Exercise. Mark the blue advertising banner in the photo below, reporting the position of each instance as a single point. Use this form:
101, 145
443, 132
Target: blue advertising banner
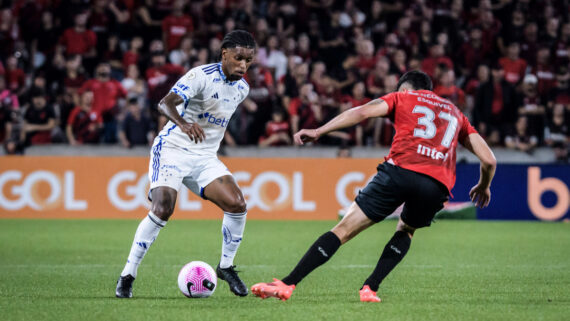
520, 192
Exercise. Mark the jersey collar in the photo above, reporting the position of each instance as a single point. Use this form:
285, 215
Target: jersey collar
226, 80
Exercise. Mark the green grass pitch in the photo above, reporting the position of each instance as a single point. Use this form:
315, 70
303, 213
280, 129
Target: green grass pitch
455, 270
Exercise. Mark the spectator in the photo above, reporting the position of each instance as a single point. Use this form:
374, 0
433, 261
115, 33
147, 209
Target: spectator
262, 94
562, 48
114, 56
560, 94
147, 22
84, 125
160, 77
398, 63
78, 40
375, 79
133, 55
472, 52
9, 32
494, 106
74, 77
437, 56
15, 77
272, 57
544, 71
531, 106
304, 49
520, 139
276, 130
39, 120
530, 44
136, 127
45, 43
290, 87
134, 84
550, 34
364, 130
7, 116
106, 93
176, 26
512, 32
513, 66
448, 90
305, 110
184, 55
364, 60
214, 16
557, 133
7, 98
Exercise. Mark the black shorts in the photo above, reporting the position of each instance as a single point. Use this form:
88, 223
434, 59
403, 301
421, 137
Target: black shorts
422, 195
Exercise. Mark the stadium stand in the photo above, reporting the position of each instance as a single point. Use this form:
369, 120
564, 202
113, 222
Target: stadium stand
505, 64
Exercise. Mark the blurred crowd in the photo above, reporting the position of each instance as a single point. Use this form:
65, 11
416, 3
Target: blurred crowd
93, 71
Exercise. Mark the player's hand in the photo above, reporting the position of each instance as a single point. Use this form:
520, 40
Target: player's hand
480, 195
194, 131
306, 136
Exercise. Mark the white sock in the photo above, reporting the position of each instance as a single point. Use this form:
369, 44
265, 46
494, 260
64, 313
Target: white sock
232, 231
144, 237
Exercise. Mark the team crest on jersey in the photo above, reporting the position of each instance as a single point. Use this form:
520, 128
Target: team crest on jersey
217, 80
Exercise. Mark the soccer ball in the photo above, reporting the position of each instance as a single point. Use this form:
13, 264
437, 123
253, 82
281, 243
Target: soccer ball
197, 279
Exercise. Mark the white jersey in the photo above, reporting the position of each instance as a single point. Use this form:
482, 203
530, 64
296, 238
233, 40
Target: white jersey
210, 100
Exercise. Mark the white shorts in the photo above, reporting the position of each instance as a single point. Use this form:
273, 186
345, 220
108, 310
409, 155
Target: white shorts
172, 167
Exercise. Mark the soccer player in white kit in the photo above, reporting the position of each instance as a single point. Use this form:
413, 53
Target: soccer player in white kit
198, 107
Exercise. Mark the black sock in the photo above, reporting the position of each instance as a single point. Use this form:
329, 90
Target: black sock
320, 252
393, 253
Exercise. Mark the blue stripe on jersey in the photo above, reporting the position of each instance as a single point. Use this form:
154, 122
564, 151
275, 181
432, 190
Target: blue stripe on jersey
245, 82
179, 93
156, 153
208, 68
219, 65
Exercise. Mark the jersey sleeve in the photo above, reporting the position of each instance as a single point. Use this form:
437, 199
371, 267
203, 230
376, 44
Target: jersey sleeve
190, 85
466, 129
391, 99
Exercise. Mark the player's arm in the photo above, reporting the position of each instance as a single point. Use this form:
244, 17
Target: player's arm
481, 193
167, 107
351, 117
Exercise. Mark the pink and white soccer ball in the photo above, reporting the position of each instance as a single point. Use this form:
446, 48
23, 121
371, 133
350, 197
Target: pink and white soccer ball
197, 279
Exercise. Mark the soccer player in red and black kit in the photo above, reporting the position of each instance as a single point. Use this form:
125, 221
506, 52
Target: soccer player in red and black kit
419, 172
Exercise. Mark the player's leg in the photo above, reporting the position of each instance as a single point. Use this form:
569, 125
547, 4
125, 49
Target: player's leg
426, 198
165, 176
354, 222
225, 193
374, 203
163, 201
393, 253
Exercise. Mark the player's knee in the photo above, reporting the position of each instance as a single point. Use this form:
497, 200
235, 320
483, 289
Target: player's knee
237, 205
403, 227
163, 209
343, 234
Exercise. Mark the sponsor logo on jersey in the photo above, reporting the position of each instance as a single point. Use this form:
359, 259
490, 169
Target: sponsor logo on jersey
217, 80
215, 96
431, 152
182, 86
211, 119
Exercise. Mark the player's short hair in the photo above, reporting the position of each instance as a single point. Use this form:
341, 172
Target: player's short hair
238, 38
417, 79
